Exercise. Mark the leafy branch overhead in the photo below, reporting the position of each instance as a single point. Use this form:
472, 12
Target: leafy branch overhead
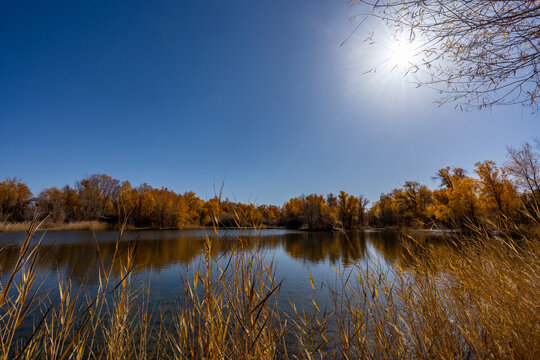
477, 53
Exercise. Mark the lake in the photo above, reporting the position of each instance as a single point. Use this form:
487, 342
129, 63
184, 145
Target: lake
161, 255
161, 258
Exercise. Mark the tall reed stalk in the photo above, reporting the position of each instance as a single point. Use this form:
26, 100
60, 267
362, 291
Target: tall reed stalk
474, 297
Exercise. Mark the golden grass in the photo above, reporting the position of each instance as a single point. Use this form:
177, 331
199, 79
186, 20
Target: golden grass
12, 227
73, 226
474, 298
478, 298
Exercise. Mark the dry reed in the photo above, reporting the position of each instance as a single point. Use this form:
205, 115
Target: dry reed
72, 226
474, 297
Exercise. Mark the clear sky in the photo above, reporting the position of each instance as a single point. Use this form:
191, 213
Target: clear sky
185, 94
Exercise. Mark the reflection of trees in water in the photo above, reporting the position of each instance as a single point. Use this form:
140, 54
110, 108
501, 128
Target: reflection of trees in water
8, 257
388, 244
407, 248
321, 246
81, 260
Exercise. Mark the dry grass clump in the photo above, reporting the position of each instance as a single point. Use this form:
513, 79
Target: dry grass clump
478, 298
71, 324
12, 227
230, 309
79, 225
72, 226
473, 298
230, 312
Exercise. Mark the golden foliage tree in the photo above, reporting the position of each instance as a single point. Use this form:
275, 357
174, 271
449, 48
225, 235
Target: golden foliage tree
97, 193
15, 197
499, 198
52, 201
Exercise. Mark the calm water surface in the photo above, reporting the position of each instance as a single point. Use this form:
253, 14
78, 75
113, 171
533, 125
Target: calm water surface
161, 256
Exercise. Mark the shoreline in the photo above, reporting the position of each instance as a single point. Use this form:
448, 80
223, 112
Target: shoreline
103, 226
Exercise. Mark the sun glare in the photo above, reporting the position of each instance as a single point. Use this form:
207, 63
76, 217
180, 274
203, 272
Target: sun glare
401, 54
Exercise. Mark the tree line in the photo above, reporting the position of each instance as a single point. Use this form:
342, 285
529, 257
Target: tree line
493, 194
100, 197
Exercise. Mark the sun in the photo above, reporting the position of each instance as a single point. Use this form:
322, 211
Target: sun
401, 54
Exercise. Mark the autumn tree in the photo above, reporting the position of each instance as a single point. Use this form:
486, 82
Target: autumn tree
126, 202
383, 212
476, 52
332, 204
524, 166
211, 212
52, 202
449, 176
363, 209
182, 213
347, 209
405, 207
97, 193
292, 210
163, 214
498, 194
271, 214
456, 203
72, 205
189, 209
411, 203
15, 199
145, 205
351, 210
314, 212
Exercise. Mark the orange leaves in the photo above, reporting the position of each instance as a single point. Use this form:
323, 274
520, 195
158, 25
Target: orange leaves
14, 196
461, 199
499, 197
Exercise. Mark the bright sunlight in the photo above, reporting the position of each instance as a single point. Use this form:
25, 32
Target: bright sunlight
401, 54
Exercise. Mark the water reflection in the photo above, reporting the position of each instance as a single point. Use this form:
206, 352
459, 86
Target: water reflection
335, 247
78, 255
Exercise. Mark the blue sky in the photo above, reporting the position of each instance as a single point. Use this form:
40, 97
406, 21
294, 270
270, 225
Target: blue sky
186, 94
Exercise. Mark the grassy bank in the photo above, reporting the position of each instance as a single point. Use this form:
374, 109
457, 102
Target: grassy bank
475, 297
99, 225
77, 225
